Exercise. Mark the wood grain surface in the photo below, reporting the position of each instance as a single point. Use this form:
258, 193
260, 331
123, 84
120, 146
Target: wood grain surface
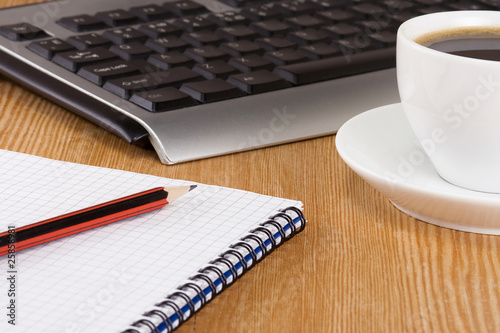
360, 266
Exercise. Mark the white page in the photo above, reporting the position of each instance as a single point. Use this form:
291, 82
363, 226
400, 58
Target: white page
102, 279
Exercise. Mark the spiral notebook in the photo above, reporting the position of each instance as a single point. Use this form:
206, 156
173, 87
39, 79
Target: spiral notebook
144, 274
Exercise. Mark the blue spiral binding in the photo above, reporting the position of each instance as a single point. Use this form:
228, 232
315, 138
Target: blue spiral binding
166, 322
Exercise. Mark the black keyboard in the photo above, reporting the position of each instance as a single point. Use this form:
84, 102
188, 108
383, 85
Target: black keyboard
205, 78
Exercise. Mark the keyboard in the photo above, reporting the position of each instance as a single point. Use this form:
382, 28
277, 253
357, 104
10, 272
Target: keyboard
196, 79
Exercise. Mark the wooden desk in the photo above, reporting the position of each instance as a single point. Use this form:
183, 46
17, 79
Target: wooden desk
360, 266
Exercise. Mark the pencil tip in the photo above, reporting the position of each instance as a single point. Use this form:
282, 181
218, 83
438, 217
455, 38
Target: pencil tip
192, 187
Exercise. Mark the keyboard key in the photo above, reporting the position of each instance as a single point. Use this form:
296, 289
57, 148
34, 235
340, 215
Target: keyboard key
125, 87
194, 23
251, 63
355, 44
160, 29
336, 16
294, 8
48, 48
81, 23
237, 3
275, 43
166, 44
341, 30
202, 38
466, 5
304, 22
403, 16
271, 28
211, 90
241, 48
369, 10
285, 57
237, 32
116, 18
491, 3
168, 60
130, 51
431, 2
327, 4
215, 69
74, 60
185, 8
385, 38
332, 68
261, 13
163, 99
319, 51
143, 66
258, 82
151, 13
430, 10
22, 31
125, 35
102, 72
87, 41
225, 19
398, 6
308, 36
370, 26
206, 54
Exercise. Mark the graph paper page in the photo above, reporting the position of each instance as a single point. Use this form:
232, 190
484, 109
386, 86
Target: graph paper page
102, 279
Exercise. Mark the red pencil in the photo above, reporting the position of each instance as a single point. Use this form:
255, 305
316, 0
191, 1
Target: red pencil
89, 218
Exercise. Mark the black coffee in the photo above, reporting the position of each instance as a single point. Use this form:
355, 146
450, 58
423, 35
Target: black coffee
472, 42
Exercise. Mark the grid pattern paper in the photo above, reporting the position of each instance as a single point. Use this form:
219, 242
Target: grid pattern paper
103, 279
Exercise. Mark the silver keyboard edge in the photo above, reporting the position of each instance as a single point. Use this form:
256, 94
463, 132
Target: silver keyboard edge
183, 135
270, 119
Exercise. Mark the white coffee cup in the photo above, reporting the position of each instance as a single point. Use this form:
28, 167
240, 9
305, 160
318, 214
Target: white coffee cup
453, 102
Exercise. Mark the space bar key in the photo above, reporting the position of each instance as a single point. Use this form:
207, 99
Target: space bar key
333, 68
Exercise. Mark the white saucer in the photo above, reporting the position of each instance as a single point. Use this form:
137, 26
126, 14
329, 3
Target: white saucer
379, 145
